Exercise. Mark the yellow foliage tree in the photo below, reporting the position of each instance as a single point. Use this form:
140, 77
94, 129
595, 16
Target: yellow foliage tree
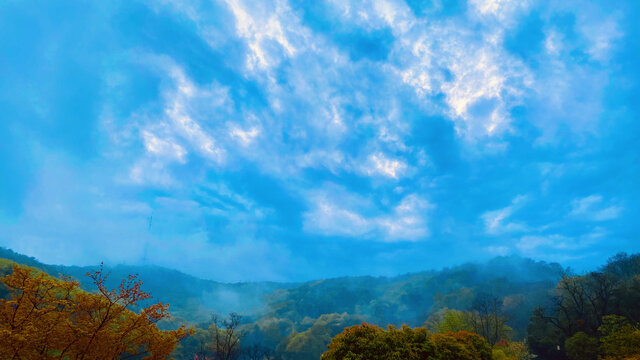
48, 318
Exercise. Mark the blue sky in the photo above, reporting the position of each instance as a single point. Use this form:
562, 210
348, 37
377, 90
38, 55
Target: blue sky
291, 140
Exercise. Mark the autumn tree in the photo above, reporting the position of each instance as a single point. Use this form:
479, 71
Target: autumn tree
48, 318
511, 350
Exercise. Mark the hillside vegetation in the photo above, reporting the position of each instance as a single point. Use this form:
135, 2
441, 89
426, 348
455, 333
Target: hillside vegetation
299, 320
518, 307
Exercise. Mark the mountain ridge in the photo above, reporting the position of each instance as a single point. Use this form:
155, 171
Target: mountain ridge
193, 299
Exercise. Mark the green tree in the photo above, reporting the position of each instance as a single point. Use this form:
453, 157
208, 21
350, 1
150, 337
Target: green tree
582, 347
586, 310
461, 345
511, 350
367, 342
312, 342
449, 320
620, 338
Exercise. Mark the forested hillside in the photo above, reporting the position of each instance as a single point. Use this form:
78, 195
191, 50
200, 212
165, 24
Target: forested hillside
517, 306
408, 299
412, 298
314, 312
300, 319
192, 299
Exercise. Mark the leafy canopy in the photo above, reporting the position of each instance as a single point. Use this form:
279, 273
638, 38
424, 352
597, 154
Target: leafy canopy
47, 318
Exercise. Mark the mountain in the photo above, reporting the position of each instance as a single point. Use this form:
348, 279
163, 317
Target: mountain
190, 298
299, 319
408, 298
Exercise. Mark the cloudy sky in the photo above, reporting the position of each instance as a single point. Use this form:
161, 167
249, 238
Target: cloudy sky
291, 140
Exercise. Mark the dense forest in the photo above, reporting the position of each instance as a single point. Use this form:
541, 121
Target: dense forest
506, 308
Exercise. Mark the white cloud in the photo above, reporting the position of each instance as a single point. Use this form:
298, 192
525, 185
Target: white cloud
480, 80
528, 243
407, 221
332, 160
262, 25
396, 14
593, 208
600, 30
489, 6
554, 42
602, 38
495, 221
502, 10
150, 172
164, 148
380, 164
376, 14
329, 219
182, 121
375, 165
245, 137
335, 212
184, 128
546, 245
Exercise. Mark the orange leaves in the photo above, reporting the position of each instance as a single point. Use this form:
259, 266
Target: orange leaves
47, 318
128, 293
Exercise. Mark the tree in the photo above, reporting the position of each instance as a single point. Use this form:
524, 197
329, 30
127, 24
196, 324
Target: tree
367, 342
544, 338
312, 342
511, 350
461, 345
47, 318
225, 344
195, 345
582, 347
487, 319
620, 338
449, 320
578, 322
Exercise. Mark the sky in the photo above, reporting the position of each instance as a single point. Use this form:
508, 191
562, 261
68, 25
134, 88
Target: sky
291, 140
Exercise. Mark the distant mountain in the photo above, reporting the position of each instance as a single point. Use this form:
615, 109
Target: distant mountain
522, 283
190, 298
410, 298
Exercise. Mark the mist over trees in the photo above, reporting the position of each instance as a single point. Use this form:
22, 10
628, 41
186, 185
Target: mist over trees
519, 308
